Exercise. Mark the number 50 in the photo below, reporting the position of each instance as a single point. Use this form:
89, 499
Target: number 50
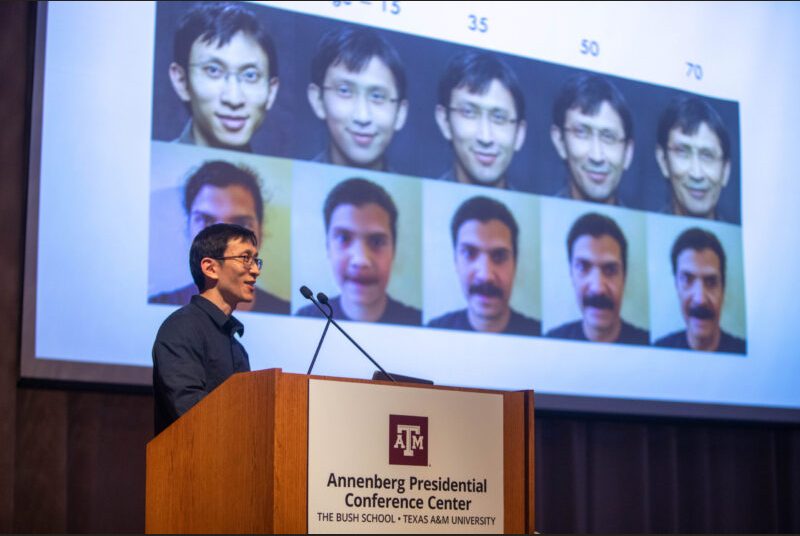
590, 47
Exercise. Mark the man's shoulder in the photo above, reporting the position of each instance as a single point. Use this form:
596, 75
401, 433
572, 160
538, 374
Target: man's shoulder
520, 324
400, 313
186, 136
674, 340
630, 334
269, 303
448, 176
453, 320
184, 322
179, 296
570, 330
731, 344
310, 311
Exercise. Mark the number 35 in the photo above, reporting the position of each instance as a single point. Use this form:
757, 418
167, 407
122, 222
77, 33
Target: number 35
478, 24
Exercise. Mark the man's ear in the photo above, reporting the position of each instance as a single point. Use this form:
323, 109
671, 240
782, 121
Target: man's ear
274, 84
519, 137
402, 114
726, 173
180, 83
210, 269
628, 153
661, 158
557, 138
315, 100
443, 122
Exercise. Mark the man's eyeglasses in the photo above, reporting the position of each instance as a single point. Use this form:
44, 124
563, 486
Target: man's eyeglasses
497, 116
606, 137
685, 153
246, 260
346, 91
215, 71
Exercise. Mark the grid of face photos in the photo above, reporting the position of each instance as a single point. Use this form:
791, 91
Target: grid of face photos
422, 183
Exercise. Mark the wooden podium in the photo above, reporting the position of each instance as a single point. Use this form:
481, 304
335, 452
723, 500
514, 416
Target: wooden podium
237, 462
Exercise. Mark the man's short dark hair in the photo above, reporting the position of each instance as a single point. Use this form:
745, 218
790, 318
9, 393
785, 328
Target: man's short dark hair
688, 112
475, 70
222, 174
354, 47
596, 225
212, 242
587, 92
698, 240
218, 22
485, 209
359, 192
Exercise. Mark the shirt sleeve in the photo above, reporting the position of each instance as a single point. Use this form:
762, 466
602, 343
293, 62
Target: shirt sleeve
179, 377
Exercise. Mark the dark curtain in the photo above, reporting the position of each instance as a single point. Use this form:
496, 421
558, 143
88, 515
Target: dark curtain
600, 474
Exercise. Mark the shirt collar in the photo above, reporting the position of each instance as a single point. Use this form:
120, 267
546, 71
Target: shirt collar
228, 324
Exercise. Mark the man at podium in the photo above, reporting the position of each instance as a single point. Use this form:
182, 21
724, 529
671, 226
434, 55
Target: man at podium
195, 349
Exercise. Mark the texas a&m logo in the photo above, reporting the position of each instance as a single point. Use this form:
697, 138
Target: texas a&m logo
408, 440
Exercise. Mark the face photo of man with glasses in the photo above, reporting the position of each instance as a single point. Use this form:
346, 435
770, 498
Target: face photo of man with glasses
693, 153
226, 71
358, 89
220, 192
592, 132
481, 112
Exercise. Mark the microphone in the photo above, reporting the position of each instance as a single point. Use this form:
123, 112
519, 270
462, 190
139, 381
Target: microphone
323, 299
307, 294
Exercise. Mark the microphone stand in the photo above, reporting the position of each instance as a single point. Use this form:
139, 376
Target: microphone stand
324, 299
319, 344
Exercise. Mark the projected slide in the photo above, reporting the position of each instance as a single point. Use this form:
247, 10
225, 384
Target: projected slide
360, 107
491, 196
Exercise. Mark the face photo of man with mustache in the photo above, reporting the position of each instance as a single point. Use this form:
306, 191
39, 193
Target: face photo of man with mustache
485, 248
698, 265
221, 192
592, 132
361, 239
598, 261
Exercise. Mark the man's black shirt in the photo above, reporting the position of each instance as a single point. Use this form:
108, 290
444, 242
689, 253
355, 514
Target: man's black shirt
518, 324
194, 352
628, 333
727, 342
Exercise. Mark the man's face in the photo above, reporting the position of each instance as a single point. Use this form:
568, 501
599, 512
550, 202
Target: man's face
361, 111
598, 278
595, 152
696, 169
486, 266
228, 89
231, 204
236, 282
361, 251
485, 131
698, 280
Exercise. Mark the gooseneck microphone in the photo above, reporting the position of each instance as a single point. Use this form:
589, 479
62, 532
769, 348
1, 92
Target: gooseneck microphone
323, 299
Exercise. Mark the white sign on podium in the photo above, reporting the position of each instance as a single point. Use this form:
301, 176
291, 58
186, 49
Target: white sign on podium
389, 459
